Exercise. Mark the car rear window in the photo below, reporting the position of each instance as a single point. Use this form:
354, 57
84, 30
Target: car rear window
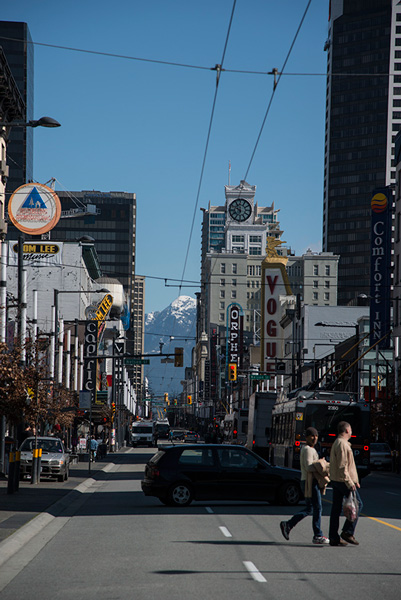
196, 456
157, 457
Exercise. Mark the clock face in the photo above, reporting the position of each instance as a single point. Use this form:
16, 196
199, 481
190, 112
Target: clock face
240, 209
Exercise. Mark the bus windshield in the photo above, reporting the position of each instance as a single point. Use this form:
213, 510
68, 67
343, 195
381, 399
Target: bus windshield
325, 418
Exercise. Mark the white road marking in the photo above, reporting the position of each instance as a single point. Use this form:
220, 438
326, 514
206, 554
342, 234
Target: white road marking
254, 572
209, 510
225, 531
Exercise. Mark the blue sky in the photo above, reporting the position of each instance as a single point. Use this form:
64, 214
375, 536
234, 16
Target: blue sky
141, 127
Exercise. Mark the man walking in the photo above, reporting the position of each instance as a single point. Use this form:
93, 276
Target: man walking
314, 502
344, 480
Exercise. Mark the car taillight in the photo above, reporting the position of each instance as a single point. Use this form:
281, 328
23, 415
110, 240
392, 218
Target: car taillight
366, 448
153, 472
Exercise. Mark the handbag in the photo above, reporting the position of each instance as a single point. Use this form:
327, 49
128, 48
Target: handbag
350, 507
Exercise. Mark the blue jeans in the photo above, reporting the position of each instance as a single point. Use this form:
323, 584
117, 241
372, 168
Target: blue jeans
340, 491
313, 507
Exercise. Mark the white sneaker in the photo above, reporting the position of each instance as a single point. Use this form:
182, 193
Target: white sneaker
320, 540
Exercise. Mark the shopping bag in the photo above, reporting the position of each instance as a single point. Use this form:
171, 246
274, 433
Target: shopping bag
350, 507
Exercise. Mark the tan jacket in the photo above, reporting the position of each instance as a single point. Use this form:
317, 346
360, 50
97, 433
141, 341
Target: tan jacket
342, 463
319, 470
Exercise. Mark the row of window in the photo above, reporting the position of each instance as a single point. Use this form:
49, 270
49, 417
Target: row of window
316, 284
326, 269
315, 296
233, 268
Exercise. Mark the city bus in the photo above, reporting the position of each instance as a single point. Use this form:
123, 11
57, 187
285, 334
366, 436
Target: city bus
323, 410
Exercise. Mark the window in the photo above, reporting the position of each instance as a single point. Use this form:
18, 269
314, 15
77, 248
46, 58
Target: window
222, 282
222, 294
233, 282
222, 306
238, 239
236, 458
222, 267
221, 317
197, 456
327, 285
315, 295
234, 294
254, 251
316, 269
327, 269
315, 283
326, 296
234, 268
255, 238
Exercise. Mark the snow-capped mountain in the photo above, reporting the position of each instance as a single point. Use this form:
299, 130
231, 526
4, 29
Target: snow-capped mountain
174, 327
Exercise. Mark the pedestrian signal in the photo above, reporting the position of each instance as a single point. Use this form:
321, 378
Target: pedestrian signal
179, 357
232, 372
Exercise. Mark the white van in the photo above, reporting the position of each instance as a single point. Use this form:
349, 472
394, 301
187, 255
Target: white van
142, 433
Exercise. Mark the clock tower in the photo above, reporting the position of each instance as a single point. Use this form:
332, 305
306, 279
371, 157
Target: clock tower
240, 203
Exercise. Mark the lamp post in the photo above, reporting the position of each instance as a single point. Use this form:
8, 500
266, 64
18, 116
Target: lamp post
4, 132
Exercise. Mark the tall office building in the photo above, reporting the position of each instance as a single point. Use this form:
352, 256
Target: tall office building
363, 116
16, 42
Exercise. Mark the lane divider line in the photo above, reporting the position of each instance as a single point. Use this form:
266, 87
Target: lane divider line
225, 532
383, 522
254, 572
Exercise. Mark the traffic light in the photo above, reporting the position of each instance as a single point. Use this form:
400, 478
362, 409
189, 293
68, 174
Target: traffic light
113, 407
166, 399
189, 399
232, 372
179, 357
175, 402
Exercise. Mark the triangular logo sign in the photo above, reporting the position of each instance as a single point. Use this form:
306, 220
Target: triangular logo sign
34, 200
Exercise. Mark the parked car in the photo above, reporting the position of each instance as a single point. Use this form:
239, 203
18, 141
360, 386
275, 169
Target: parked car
177, 434
380, 456
55, 461
191, 436
179, 474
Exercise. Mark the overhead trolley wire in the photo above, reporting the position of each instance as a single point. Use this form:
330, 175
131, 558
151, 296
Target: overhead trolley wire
276, 82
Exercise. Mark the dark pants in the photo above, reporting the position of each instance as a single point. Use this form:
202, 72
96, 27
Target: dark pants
341, 491
313, 507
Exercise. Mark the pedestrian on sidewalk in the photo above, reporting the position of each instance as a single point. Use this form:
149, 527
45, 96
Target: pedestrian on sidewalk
313, 497
93, 448
344, 480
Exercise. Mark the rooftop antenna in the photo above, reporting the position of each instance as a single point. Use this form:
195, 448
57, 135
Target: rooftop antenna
229, 171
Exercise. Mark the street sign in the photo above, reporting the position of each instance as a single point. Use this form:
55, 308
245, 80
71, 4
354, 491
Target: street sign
136, 361
254, 377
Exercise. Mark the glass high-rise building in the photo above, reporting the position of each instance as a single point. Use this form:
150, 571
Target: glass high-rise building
363, 116
16, 42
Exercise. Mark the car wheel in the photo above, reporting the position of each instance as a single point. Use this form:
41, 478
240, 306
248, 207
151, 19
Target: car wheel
289, 494
180, 494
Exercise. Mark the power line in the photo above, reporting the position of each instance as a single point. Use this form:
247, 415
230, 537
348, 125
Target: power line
276, 82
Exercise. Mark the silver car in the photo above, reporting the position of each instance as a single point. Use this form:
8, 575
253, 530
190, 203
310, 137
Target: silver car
380, 456
55, 461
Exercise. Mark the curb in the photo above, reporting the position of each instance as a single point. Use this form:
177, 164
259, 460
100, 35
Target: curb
22, 536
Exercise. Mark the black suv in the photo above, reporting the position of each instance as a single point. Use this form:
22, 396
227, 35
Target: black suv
179, 474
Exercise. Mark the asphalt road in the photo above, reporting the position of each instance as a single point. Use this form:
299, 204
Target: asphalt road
113, 543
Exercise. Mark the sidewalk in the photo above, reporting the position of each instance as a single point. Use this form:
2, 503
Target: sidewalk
31, 500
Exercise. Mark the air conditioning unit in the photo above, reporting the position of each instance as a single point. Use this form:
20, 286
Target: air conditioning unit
3, 168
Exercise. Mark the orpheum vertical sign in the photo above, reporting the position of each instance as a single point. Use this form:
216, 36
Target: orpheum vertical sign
90, 350
234, 334
275, 283
380, 268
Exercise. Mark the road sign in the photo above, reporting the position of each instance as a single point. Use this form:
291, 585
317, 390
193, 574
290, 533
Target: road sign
136, 361
254, 377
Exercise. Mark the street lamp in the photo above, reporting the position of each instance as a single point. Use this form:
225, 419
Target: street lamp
42, 122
